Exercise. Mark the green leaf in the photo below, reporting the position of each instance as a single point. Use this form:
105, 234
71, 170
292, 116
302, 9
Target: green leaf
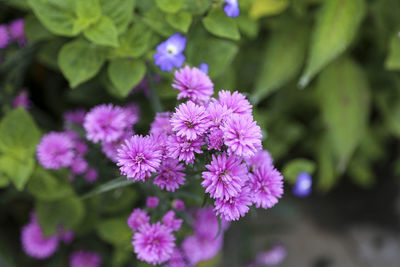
327, 175
136, 41
80, 61
45, 186
344, 98
155, 19
361, 172
296, 166
115, 231
88, 12
125, 74
248, 26
336, 28
219, 24
119, 200
4, 181
393, 59
17, 170
49, 51
67, 212
261, 8
35, 31
169, 6
18, 133
120, 11
283, 59
121, 255
57, 16
197, 7
180, 21
103, 32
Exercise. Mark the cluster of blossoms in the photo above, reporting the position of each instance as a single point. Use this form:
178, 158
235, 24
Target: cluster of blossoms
223, 128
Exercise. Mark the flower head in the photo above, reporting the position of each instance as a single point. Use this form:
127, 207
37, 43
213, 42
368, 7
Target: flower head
154, 243
266, 186
91, 175
152, 202
161, 124
171, 222
55, 151
85, 258
303, 185
110, 149
215, 139
178, 204
170, 53
262, 157
272, 257
225, 176
184, 149
105, 123
170, 175
217, 113
138, 218
231, 8
176, 259
190, 120
4, 36
197, 248
236, 102
193, 84
235, 207
242, 135
79, 165
139, 157
22, 100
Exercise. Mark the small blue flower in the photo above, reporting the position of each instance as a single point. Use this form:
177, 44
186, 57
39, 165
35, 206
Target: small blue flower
231, 8
170, 53
303, 188
203, 67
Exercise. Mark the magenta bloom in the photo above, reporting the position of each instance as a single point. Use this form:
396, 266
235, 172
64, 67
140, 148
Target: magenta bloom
215, 139
184, 149
178, 204
190, 120
91, 175
66, 236
266, 186
154, 243
138, 218
272, 257
35, 244
235, 207
242, 135
161, 124
79, 165
110, 149
170, 175
22, 100
152, 202
235, 101
105, 123
225, 176
262, 157
176, 259
197, 248
76, 116
55, 151
139, 157
17, 31
206, 225
132, 113
4, 36
171, 222
217, 113
193, 84
85, 258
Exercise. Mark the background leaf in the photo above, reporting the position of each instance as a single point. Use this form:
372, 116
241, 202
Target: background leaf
296, 166
119, 11
125, 74
169, 6
114, 231
88, 12
103, 32
18, 170
393, 59
180, 21
261, 8
219, 24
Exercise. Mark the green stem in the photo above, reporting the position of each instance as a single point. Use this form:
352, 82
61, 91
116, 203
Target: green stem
154, 97
108, 186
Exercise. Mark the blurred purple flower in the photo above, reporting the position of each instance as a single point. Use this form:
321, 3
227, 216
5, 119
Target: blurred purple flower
84, 258
152, 202
272, 257
170, 53
178, 204
22, 100
170, 175
303, 185
4, 36
138, 218
231, 8
171, 222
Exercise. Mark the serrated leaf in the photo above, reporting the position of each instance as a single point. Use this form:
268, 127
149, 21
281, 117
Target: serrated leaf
343, 91
103, 32
59, 17
18, 170
67, 212
155, 19
261, 8
219, 24
393, 59
80, 61
88, 12
283, 59
119, 11
169, 6
125, 74
115, 231
334, 31
180, 21
293, 168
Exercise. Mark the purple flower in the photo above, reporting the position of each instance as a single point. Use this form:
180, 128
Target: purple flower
178, 204
203, 67
4, 36
139, 157
225, 176
17, 31
190, 120
184, 149
170, 175
91, 175
303, 188
76, 116
171, 222
242, 135
176, 259
236, 102
193, 84
35, 244
132, 114
262, 157
105, 123
55, 151
206, 225
22, 100
170, 53
266, 186
110, 149
197, 248
154, 243
66, 236
215, 140
138, 218
152, 202
79, 165
272, 257
161, 124
217, 113
235, 207
84, 258
231, 8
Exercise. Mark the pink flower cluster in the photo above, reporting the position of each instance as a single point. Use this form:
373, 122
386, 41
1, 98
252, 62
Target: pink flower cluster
13, 32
